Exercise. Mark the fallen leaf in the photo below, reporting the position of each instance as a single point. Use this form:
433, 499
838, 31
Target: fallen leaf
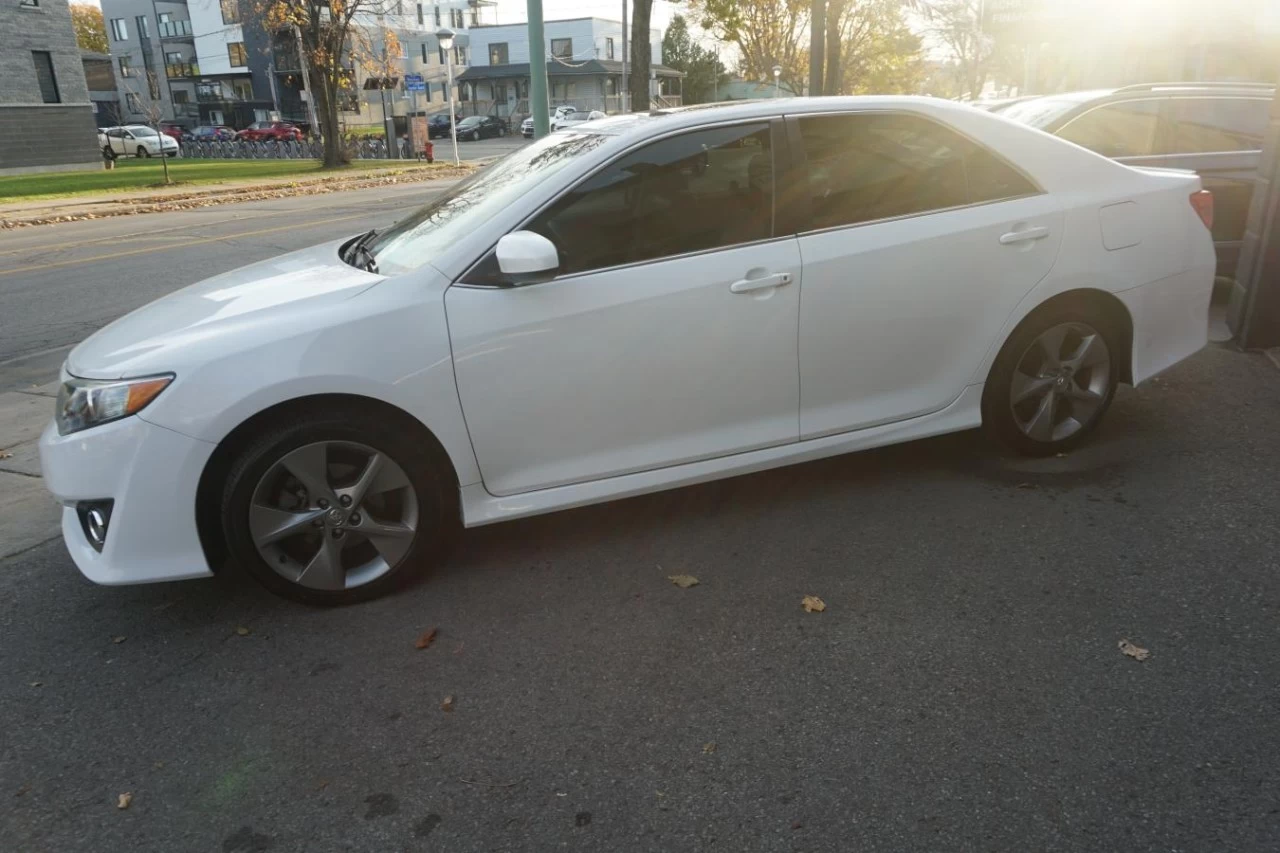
1060, 455
125, 799
1025, 486
796, 825
26, 787
813, 604
1135, 652
159, 765
37, 684
242, 631
457, 650
4, 454
447, 704
708, 748
683, 581
118, 640
426, 639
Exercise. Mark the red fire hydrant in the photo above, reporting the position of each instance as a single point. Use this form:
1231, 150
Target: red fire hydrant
429, 151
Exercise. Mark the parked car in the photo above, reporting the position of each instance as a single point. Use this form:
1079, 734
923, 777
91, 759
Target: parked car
480, 127
176, 131
438, 125
270, 131
561, 117
211, 132
1215, 129
614, 310
136, 140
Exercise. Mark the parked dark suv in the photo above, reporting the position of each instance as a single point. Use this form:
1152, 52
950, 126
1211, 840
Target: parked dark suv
1215, 129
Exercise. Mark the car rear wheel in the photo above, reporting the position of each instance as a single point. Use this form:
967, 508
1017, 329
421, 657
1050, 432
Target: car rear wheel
1052, 382
337, 509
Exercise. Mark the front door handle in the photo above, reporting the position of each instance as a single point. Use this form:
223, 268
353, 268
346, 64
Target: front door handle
1036, 233
747, 285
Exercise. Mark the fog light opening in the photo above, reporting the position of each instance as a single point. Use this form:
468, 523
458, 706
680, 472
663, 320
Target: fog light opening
95, 519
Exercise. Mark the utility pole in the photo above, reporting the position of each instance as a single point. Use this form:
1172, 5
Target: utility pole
626, 84
817, 42
306, 83
538, 101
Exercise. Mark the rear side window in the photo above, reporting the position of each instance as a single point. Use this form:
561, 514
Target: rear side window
1219, 124
868, 166
1124, 129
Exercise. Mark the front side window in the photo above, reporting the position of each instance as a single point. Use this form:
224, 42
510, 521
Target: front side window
562, 48
498, 53
119, 29
708, 189
1219, 124
868, 166
1125, 129
236, 52
45, 76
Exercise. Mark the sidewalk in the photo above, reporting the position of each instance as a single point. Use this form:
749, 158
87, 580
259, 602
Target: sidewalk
28, 514
53, 210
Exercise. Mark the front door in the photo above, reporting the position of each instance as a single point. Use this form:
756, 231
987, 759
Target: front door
919, 245
668, 335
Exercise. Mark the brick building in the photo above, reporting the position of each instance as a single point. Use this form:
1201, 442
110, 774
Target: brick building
46, 119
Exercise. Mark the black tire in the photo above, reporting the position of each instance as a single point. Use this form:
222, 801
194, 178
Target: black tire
142, 152
998, 416
428, 470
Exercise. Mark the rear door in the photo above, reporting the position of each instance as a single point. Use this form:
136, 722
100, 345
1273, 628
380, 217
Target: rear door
917, 246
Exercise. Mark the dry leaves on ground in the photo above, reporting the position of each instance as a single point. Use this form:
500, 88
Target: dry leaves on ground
447, 704
118, 640
813, 604
708, 748
4, 454
683, 581
243, 631
125, 799
426, 639
1135, 652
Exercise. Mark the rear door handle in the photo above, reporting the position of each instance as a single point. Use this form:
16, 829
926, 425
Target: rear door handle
747, 285
1037, 233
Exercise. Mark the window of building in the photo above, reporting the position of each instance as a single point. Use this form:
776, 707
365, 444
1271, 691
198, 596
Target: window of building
498, 53
437, 11
30, 4
424, 53
710, 189
879, 165
174, 58
236, 52
1219, 124
45, 76
132, 102
181, 96
562, 48
126, 68
608, 48
243, 89
421, 20
119, 29
562, 90
456, 20
164, 18
459, 55
230, 11
1126, 129
144, 26
442, 57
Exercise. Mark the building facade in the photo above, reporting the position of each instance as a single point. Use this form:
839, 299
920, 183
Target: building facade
46, 119
584, 67
100, 77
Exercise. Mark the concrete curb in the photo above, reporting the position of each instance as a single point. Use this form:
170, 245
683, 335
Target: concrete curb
29, 516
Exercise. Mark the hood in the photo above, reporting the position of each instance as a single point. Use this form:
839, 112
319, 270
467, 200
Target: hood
240, 305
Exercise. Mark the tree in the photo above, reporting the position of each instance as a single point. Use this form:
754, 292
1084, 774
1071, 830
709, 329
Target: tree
151, 106
879, 53
702, 68
638, 82
963, 26
334, 40
766, 33
91, 30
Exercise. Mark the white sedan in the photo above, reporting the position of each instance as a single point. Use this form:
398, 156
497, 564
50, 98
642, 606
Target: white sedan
136, 140
640, 303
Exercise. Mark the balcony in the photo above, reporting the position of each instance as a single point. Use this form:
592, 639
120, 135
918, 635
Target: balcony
179, 70
176, 30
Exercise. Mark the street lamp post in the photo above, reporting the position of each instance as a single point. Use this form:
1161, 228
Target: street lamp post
777, 79
445, 36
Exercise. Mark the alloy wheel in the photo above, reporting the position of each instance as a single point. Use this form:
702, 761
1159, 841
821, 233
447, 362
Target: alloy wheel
333, 515
1061, 381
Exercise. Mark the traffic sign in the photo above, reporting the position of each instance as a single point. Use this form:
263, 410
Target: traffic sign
414, 83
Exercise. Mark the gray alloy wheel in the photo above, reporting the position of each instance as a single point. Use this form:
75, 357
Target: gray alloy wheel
142, 152
1060, 382
333, 515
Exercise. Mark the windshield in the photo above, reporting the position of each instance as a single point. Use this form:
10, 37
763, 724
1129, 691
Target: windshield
413, 241
1039, 112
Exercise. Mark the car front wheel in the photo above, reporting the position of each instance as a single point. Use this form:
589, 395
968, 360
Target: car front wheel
142, 152
338, 508
1052, 382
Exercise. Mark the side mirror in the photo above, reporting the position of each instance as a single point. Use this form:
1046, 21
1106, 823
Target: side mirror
525, 257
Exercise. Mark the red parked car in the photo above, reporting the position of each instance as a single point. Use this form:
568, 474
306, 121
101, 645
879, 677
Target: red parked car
279, 131
175, 130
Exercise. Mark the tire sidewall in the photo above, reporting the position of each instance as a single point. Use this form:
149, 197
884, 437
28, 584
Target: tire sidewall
433, 487
997, 416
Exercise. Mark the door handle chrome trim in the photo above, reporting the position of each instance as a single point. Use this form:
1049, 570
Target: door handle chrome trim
1037, 233
747, 285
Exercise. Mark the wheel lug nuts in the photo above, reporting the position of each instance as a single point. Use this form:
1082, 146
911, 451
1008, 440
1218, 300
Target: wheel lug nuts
337, 534
322, 503
345, 500
355, 518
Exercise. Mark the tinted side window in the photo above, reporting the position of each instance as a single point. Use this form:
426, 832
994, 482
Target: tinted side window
703, 190
1219, 124
1127, 129
872, 166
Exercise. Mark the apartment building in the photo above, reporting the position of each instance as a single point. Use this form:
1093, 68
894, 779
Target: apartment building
46, 119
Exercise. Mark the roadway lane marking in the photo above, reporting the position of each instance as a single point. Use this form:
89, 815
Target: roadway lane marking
153, 249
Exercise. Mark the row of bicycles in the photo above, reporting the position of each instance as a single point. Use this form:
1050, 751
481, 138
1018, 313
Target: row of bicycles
370, 148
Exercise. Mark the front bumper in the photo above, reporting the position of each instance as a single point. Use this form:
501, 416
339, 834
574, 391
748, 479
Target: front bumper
151, 474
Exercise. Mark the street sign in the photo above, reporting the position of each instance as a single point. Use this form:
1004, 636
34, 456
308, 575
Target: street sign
414, 83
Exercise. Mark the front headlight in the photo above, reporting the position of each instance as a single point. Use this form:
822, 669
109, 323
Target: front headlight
84, 403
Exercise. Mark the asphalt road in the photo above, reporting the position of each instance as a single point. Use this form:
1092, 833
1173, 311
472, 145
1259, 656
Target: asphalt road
962, 691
